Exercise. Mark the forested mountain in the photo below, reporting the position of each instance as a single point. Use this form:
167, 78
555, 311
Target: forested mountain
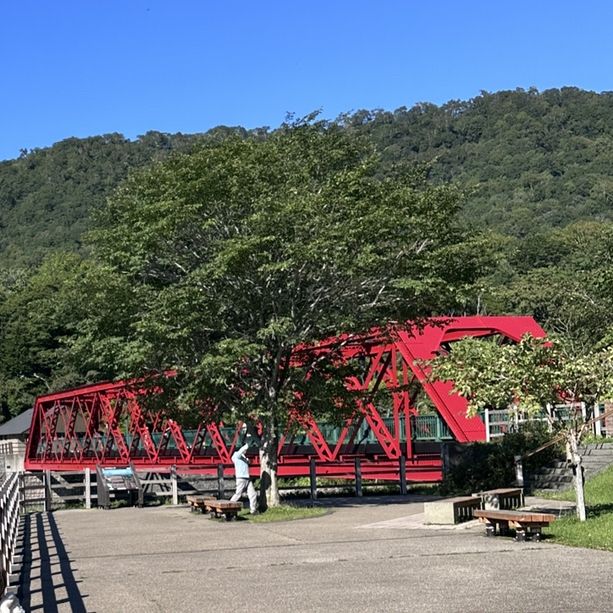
534, 160
529, 160
536, 171
48, 195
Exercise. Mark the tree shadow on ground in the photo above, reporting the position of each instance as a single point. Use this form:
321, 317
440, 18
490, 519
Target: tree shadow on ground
596, 510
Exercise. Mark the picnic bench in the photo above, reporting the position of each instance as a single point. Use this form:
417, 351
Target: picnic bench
450, 510
504, 498
215, 507
525, 523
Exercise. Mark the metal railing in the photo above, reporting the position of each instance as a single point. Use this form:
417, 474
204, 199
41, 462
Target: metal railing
430, 428
423, 428
51, 490
499, 422
9, 528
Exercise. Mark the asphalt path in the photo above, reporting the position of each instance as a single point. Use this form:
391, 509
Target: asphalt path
369, 555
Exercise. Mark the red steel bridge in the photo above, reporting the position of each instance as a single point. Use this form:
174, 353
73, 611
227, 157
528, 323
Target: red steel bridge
105, 424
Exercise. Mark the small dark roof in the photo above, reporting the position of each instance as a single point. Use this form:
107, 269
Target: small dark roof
17, 425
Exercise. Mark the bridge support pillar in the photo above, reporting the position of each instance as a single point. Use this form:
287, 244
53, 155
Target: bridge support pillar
174, 486
358, 477
48, 492
403, 474
221, 486
87, 482
313, 478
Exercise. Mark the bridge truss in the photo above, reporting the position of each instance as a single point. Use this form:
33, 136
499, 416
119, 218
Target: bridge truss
105, 423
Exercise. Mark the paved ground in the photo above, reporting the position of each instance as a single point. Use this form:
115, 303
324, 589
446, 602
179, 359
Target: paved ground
369, 556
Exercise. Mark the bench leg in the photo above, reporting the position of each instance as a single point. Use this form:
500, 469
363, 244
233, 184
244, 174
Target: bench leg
520, 535
535, 534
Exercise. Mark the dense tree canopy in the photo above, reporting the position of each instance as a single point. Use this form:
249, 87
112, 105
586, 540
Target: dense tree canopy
533, 167
245, 248
46, 328
533, 160
564, 278
47, 196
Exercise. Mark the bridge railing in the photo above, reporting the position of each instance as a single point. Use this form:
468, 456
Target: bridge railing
502, 421
9, 528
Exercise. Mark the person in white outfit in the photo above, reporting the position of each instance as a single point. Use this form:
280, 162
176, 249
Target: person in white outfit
243, 480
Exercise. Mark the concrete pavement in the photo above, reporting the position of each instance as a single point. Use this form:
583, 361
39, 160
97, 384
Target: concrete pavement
368, 555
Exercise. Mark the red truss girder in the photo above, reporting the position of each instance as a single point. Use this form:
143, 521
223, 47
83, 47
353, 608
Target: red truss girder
104, 423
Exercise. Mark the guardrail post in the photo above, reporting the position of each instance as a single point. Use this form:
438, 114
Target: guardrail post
403, 474
358, 477
313, 478
221, 485
87, 484
47, 487
519, 471
597, 420
173, 479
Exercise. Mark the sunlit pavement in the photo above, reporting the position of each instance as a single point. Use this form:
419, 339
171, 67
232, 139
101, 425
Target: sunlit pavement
368, 555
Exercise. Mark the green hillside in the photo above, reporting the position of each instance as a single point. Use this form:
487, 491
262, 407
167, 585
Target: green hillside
536, 174
530, 160
533, 160
48, 195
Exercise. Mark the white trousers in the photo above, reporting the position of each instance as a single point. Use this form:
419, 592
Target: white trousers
241, 486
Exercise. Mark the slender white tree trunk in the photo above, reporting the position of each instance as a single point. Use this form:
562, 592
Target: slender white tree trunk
577, 463
269, 489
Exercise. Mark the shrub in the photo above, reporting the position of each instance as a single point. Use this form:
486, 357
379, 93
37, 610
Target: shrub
481, 466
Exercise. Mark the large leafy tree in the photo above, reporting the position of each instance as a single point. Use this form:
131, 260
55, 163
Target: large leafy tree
247, 247
527, 377
61, 326
34, 324
564, 279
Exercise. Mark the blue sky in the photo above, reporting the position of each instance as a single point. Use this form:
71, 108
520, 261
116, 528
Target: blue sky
87, 67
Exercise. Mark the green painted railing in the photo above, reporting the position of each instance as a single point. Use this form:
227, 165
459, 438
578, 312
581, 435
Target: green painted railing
430, 428
423, 427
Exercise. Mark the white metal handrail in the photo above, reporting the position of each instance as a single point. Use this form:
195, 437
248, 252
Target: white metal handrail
500, 421
9, 528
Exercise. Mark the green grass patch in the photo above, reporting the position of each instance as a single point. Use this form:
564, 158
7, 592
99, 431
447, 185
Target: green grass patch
597, 531
285, 512
598, 490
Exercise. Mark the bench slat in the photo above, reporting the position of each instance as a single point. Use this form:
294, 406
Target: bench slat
515, 516
224, 505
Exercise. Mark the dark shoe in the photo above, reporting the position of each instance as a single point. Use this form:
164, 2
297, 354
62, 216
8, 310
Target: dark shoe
254, 513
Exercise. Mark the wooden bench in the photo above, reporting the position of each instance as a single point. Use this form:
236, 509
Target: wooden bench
196, 502
504, 498
525, 523
450, 510
216, 508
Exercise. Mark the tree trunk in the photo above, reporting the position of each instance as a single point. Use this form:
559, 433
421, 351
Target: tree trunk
577, 464
269, 489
